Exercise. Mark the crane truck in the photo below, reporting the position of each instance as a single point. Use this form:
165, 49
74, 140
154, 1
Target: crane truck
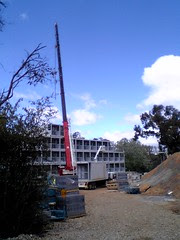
89, 174
68, 168
62, 196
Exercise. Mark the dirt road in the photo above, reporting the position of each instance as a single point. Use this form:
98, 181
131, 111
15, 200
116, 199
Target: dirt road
113, 215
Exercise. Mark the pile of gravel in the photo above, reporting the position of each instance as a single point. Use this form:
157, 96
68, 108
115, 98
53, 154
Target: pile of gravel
163, 179
25, 237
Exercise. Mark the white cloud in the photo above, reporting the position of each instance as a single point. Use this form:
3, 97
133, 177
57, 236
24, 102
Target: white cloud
152, 141
24, 16
56, 117
118, 135
132, 118
89, 103
103, 102
84, 117
84, 133
31, 96
163, 77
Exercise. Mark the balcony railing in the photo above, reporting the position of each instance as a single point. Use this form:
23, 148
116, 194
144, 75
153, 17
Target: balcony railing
79, 159
86, 146
55, 145
111, 148
111, 169
63, 159
56, 133
55, 159
61, 133
93, 148
79, 146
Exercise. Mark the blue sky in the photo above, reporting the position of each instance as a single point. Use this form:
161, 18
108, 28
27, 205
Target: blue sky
119, 57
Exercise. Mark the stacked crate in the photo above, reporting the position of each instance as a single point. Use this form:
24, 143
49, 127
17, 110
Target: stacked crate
53, 204
112, 185
70, 197
122, 181
75, 205
68, 183
119, 182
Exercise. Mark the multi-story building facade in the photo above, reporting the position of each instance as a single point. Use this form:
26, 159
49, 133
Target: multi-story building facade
83, 151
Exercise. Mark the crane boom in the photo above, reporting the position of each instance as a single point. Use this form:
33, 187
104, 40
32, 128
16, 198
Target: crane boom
65, 121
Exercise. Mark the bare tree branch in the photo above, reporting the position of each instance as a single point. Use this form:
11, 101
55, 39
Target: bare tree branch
2, 5
34, 69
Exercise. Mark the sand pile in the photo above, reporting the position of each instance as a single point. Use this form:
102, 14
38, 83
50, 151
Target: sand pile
164, 178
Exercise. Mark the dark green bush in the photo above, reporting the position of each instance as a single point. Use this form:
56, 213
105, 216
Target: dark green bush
22, 183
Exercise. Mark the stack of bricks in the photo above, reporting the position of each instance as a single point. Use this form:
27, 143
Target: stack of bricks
73, 201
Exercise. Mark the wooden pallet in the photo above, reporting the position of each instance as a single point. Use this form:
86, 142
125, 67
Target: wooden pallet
112, 186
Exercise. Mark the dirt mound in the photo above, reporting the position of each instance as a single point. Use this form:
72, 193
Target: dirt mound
164, 178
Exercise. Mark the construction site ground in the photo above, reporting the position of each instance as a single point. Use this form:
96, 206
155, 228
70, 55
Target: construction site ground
114, 215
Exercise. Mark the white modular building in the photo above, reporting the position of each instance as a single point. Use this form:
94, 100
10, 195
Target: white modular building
83, 150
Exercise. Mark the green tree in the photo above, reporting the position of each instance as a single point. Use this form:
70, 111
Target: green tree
137, 156
163, 123
22, 139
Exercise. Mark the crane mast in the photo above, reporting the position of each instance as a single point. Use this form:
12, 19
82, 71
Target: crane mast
65, 121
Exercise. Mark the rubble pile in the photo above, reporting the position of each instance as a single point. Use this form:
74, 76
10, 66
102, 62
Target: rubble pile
164, 179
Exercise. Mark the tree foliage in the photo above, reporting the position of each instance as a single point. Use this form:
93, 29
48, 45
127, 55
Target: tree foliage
76, 135
163, 123
22, 139
137, 156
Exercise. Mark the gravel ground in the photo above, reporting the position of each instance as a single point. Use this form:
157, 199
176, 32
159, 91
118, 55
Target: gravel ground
113, 215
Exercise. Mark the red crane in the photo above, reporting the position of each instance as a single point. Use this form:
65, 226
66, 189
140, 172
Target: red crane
65, 121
